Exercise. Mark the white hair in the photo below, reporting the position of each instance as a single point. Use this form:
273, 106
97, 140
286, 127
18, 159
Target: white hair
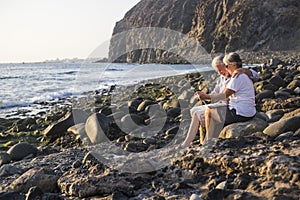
217, 61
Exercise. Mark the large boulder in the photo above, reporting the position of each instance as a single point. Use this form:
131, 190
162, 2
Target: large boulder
21, 150
96, 126
243, 128
282, 126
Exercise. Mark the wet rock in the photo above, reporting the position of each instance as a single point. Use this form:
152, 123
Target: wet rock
43, 178
243, 128
21, 150
4, 158
96, 126
285, 125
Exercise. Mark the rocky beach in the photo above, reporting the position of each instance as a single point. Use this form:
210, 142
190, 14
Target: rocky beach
50, 157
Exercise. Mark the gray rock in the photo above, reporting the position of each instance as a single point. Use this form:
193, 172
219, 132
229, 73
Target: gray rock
12, 196
144, 104
45, 179
243, 128
60, 127
34, 193
4, 158
131, 122
278, 81
7, 170
284, 136
174, 112
297, 90
95, 127
282, 94
21, 150
282, 126
195, 197
265, 94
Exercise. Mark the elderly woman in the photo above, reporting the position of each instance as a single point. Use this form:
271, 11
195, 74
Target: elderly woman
238, 92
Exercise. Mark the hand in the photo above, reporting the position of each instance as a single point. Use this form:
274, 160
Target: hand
201, 95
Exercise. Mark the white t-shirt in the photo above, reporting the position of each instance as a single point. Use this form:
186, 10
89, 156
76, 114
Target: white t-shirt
243, 100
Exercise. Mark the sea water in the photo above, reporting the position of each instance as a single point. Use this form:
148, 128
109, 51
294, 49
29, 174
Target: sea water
24, 86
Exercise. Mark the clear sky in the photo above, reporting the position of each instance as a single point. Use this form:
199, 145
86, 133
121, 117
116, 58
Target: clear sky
38, 30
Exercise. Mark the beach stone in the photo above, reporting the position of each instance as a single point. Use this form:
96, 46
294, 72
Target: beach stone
297, 90
4, 158
135, 103
34, 193
43, 178
294, 84
136, 147
12, 196
282, 126
265, 94
282, 94
243, 128
278, 81
172, 131
96, 126
142, 106
7, 170
174, 112
195, 197
131, 122
291, 114
60, 127
21, 150
274, 62
284, 136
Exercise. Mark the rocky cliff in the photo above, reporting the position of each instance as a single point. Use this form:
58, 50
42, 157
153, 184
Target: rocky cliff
217, 25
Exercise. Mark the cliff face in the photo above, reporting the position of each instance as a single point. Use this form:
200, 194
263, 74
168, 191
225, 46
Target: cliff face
218, 25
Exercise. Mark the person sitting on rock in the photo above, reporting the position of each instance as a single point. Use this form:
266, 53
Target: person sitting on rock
201, 114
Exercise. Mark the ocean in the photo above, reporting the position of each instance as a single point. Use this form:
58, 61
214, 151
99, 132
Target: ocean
26, 87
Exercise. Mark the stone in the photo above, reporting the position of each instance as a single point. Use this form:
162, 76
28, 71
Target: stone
8, 170
294, 84
60, 127
195, 197
96, 126
21, 150
265, 94
278, 81
142, 106
284, 136
282, 126
282, 94
12, 196
131, 122
34, 193
43, 178
77, 129
4, 158
243, 128
174, 112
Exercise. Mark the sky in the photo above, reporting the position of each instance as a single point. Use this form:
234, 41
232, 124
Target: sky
38, 30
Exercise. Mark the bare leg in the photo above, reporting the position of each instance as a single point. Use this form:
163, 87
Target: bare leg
213, 123
193, 129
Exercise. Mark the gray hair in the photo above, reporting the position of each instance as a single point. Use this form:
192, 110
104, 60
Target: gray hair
233, 58
217, 61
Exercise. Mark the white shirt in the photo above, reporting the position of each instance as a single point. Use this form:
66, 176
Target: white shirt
243, 100
222, 82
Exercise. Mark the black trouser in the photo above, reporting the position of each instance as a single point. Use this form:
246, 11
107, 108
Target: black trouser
232, 117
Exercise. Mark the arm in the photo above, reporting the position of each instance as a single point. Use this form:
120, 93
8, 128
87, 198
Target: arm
252, 74
216, 97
